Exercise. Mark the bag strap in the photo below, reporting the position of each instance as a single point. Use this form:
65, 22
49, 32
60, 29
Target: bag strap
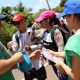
53, 40
17, 37
52, 33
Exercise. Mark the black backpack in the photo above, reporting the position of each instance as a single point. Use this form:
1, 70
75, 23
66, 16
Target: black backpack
17, 38
49, 45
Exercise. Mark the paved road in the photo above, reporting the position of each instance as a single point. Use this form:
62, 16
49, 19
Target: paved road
50, 74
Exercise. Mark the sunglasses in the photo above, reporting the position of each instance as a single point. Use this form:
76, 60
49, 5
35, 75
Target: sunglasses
16, 23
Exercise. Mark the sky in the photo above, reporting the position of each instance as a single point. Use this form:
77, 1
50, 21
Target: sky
34, 4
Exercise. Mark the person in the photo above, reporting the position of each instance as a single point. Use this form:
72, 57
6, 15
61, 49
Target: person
21, 37
72, 49
49, 21
7, 61
36, 33
21, 40
38, 70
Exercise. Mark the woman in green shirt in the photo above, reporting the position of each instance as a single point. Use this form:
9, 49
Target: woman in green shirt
72, 49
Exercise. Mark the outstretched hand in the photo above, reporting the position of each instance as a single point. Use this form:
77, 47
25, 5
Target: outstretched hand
51, 52
60, 70
28, 48
35, 55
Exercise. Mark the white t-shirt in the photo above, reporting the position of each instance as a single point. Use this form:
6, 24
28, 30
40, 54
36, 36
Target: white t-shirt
24, 39
47, 37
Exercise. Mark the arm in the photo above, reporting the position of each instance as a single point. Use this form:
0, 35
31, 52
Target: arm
35, 55
75, 70
6, 65
76, 67
67, 69
57, 54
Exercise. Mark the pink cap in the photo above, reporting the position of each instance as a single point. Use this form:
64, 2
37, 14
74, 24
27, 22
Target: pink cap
18, 17
46, 15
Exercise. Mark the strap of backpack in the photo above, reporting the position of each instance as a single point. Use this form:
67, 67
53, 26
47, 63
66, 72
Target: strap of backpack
17, 38
55, 48
52, 33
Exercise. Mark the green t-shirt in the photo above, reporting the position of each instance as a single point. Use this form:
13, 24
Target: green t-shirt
72, 48
3, 55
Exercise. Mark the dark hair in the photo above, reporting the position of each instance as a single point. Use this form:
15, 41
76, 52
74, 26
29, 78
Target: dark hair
54, 21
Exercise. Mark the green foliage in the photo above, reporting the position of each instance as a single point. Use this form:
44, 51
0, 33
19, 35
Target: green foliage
19, 7
6, 32
4, 37
62, 3
60, 7
57, 9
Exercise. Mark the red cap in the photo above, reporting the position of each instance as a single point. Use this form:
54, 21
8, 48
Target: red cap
18, 17
46, 15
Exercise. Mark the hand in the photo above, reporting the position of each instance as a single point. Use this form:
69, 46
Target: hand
60, 70
9, 45
57, 54
52, 52
35, 55
28, 48
58, 63
18, 57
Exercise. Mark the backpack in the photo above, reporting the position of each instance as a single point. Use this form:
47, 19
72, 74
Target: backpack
64, 32
49, 45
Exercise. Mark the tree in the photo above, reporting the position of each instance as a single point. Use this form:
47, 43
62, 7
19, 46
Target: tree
19, 7
48, 5
7, 11
60, 7
62, 3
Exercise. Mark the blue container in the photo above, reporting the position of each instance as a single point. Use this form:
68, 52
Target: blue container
26, 64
